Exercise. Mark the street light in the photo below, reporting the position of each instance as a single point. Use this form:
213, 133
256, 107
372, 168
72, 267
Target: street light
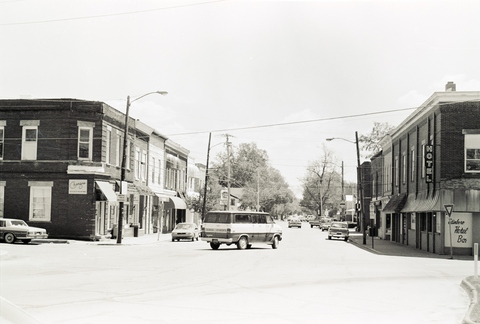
124, 159
359, 180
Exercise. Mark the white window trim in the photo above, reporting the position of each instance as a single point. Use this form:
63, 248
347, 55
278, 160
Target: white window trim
45, 185
90, 143
472, 144
26, 146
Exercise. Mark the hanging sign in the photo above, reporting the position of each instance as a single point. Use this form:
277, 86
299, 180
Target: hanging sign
428, 163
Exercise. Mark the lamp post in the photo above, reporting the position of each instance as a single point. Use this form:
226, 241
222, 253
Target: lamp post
123, 187
359, 183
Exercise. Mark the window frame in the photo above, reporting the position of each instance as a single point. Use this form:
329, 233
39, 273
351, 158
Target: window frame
2, 140
470, 144
32, 146
45, 187
90, 142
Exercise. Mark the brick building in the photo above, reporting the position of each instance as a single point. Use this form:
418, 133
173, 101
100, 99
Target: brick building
60, 163
430, 160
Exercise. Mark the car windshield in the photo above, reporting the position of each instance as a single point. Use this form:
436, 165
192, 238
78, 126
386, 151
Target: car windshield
184, 226
18, 223
339, 225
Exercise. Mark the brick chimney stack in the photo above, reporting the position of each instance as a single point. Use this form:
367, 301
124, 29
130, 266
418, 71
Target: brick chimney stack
450, 86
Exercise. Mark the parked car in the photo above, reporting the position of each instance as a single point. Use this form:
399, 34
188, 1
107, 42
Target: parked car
12, 230
294, 222
325, 224
185, 231
338, 230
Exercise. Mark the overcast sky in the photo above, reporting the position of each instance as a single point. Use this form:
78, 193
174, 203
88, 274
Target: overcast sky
329, 68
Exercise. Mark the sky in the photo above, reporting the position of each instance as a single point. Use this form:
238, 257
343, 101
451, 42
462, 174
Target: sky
285, 75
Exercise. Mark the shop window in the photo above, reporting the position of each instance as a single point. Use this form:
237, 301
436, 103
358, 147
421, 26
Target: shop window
413, 225
40, 201
423, 222
472, 153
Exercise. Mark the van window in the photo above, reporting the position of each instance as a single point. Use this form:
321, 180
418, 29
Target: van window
242, 219
261, 219
221, 218
269, 219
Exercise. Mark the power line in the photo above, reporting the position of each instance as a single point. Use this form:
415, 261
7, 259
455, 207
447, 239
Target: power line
294, 123
108, 15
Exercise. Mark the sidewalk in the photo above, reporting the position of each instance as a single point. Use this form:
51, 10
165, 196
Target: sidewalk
470, 284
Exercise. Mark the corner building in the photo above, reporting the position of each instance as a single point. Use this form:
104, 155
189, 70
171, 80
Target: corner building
60, 167
432, 159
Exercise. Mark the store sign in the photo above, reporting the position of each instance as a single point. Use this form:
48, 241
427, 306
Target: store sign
461, 226
428, 163
77, 187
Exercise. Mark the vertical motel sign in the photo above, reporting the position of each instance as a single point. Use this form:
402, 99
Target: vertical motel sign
428, 163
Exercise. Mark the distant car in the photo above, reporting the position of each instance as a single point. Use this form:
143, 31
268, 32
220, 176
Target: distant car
338, 230
325, 224
294, 222
185, 231
12, 230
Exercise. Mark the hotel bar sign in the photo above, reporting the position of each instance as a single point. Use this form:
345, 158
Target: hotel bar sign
428, 163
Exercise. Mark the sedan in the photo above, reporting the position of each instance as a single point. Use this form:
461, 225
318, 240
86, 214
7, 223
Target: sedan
338, 230
185, 231
294, 222
12, 230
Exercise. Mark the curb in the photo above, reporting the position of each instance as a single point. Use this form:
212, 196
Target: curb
474, 307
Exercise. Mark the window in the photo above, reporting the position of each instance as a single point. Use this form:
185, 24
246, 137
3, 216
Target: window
2, 198
40, 201
404, 168
137, 163
472, 153
154, 167
118, 149
2, 139
29, 143
423, 159
143, 168
85, 138
108, 140
396, 171
412, 164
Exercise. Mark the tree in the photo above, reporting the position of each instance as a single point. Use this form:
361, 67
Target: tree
322, 185
261, 183
370, 142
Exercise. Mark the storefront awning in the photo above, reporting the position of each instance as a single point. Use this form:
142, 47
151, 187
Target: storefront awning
395, 204
423, 202
107, 190
175, 203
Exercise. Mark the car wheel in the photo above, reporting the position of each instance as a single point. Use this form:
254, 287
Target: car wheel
242, 243
173, 240
275, 242
9, 238
329, 237
26, 241
214, 245
346, 239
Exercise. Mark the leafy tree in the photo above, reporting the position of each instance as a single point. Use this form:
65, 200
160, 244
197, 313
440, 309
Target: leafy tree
249, 170
370, 142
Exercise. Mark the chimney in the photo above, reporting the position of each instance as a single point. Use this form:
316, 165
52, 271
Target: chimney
450, 86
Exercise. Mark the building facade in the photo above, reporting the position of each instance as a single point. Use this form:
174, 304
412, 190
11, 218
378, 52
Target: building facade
429, 162
60, 162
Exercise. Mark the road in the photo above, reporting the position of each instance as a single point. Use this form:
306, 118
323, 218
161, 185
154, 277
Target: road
308, 279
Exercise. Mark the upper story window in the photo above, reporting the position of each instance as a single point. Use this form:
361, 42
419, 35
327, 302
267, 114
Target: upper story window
472, 151
85, 140
404, 168
2, 139
412, 164
396, 171
143, 168
137, 163
108, 141
29, 139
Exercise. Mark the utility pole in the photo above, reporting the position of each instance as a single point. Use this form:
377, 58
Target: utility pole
206, 178
228, 143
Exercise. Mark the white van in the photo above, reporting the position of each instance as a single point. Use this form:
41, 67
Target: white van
242, 228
